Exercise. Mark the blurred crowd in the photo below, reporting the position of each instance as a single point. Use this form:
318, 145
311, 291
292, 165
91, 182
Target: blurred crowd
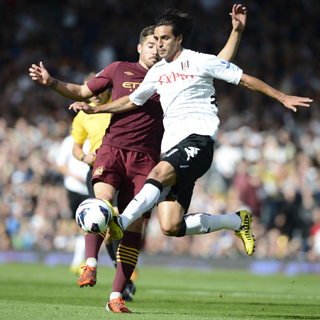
266, 158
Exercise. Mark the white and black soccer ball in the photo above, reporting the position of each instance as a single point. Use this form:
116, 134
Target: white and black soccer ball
93, 215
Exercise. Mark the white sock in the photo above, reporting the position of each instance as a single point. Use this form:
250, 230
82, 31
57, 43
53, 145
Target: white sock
200, 223
115, 295
92, 262
141, 203
79, 251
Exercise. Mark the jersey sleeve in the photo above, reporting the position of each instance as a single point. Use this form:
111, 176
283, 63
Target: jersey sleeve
218, 68
103, 80
78, 132
145, 91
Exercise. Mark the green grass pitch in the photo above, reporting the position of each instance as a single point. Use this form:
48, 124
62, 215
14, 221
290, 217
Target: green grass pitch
39, 292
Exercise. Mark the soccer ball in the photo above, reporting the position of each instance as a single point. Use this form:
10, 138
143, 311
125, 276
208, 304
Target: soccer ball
93, 215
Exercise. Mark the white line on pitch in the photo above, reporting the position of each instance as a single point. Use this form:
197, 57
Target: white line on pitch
235, 294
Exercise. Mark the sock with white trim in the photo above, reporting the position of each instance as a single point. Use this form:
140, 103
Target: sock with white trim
142, 202
201, 223
115, 295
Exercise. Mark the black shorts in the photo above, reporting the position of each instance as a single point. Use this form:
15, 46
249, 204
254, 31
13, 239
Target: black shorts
89, 183
74, 201
191, 159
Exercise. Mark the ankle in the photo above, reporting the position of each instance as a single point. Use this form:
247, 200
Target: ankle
92, 262
115, 295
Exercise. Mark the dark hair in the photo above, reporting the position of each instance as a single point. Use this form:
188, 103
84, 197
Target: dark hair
148, 31
89, 76
181, 23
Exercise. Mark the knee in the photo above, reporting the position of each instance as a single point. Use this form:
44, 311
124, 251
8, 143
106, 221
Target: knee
170, 230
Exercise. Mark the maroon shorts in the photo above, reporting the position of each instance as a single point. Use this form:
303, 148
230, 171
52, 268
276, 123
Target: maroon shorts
125, 170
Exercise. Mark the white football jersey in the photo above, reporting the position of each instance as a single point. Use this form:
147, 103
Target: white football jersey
186, 91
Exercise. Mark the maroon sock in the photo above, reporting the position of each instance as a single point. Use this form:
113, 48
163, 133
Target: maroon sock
93, 243
127, 258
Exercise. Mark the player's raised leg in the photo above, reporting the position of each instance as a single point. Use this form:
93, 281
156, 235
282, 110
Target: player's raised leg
173, 222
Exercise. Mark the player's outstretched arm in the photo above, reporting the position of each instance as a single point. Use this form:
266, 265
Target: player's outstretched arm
290, 102
40, 75
239, 19
120, 105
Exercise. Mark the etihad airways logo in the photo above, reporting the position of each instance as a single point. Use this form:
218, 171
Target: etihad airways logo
131, 85
173, 77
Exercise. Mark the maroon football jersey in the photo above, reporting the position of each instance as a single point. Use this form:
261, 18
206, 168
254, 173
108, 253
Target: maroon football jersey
137, 130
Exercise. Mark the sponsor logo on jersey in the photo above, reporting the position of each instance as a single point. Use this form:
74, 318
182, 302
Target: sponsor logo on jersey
225, 63
191, 152
128, 73
173, 77
131, 85
185, 65
98, 171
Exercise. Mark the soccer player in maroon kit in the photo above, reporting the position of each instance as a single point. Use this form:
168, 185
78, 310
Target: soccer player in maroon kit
130, 147
129, 150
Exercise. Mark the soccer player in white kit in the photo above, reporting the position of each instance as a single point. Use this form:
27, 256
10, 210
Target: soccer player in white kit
184, 80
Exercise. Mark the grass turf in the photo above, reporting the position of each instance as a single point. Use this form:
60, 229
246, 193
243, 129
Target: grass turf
38, 292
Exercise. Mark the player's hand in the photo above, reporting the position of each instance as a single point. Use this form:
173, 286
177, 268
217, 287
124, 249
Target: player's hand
40, 75
89, 157
77, 106
291, 102
239, 17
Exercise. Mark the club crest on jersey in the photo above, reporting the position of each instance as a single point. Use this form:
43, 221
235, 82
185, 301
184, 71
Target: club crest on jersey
98, 171
185, 65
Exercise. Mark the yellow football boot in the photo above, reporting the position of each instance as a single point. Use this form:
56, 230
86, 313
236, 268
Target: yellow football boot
244, 232
115, 225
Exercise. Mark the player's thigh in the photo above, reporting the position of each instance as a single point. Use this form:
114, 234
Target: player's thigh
104, 191
107, 173
138, 165
165, 173
170, 216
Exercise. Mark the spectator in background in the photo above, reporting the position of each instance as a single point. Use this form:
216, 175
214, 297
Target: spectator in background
74, 176
30, 36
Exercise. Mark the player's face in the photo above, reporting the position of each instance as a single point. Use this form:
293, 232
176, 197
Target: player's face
148, 52
169, 46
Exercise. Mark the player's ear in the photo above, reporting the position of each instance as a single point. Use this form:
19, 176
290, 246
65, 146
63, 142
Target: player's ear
139, 48
180, 38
